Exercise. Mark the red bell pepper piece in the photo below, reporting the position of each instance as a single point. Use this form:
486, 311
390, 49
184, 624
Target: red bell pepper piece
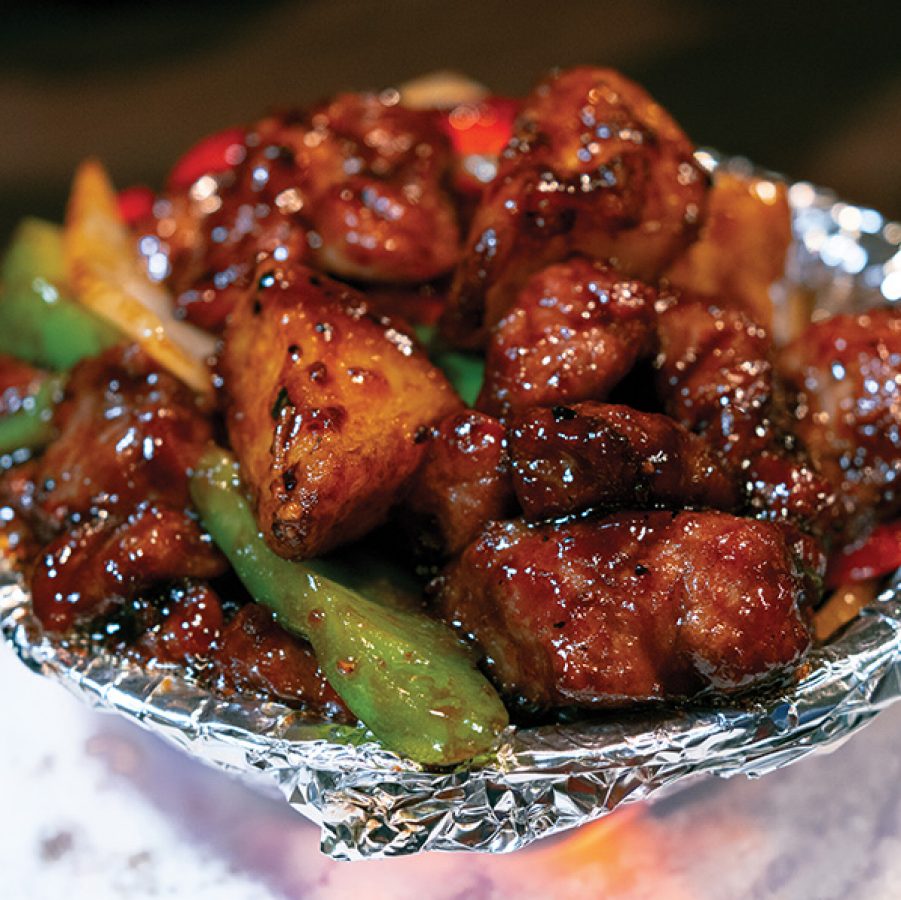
135, 204
878, 555
214, 153
483, 129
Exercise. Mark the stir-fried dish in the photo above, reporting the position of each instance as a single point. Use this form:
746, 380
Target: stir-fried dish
433, 417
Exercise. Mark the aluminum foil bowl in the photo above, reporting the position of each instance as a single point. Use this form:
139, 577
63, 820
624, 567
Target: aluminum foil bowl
369, 802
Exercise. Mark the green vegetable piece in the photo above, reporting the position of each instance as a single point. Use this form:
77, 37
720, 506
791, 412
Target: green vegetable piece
31, 426
465, 371
38, 322
404, 675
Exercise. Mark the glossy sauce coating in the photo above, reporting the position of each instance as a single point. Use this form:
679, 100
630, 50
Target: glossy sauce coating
716, 377
99, 564
193, 623
784, 487
128, 433
844, 375
256, 655
569, 458
595, 167
328, 409
634, 607
462, 484
354, 186
575, 330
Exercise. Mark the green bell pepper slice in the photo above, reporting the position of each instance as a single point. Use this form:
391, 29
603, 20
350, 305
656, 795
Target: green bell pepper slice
31, 426
465, 371
406, 676
39, 323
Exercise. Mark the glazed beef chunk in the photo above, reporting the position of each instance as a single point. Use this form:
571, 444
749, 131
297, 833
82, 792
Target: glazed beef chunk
462, 484
256, 655
569, 458
90, 570
844, 379
575, 330
716, 377
354, 186
129, 433
596, 168
630, 608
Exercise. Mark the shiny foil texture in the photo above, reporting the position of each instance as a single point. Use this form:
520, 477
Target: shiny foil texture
370, 803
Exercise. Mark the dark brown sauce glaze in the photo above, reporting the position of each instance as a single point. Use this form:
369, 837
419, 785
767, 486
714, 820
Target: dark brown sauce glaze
355, 185
256, 656
105, 561
191, 623
569, 458
595, 167
576, 329
231, 646
129, 433
844, 378
716, 377
462, 484
631, 608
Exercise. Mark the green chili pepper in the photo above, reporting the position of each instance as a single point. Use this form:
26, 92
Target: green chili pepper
31, 426
465, 371
403, 674
38, 322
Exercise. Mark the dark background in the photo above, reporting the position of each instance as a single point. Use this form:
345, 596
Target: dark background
809, 89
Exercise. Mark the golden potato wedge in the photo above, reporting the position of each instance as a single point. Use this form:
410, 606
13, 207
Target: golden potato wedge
742, 247
328, 408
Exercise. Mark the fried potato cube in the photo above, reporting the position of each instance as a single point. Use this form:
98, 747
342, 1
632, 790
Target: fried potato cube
742, 247
328, 409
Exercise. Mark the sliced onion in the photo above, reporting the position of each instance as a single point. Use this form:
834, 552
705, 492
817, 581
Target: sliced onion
107, 276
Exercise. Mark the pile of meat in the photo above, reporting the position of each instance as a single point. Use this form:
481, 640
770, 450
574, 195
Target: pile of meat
640, 503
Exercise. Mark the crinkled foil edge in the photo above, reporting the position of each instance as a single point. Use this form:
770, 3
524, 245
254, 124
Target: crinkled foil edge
370, 803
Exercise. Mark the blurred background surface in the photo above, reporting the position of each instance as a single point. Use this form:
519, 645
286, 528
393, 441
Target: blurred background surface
809, 89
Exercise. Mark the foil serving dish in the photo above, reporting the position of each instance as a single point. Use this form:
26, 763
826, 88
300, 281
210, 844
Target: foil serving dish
369, 802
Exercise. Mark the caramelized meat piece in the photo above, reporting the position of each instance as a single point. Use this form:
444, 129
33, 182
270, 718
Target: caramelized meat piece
570, 458
354, 186
716, 378
635, 607
782, 487
191, 627
463, 483
595, 167
328, 409
845, 377
577, 328
742, 247
391, 221
128, 432
101, 563
255, 654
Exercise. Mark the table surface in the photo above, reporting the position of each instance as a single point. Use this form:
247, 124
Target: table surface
94, 807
